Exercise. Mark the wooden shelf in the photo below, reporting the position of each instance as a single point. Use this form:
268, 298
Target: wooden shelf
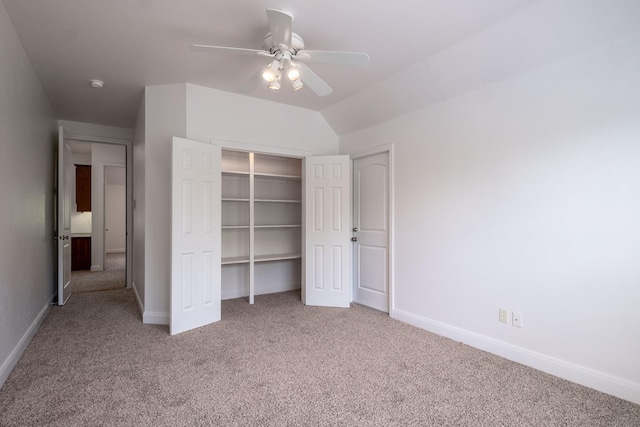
230, 199
276, 257
237, 173
235, 260
278, 226
276, 201
274, 175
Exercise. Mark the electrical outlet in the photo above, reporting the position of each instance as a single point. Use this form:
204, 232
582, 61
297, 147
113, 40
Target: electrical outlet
503, 315
516, 319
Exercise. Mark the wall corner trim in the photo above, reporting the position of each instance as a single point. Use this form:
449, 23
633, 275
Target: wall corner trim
11, 361
587, 377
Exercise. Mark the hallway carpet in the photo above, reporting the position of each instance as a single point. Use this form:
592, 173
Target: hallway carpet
112, 277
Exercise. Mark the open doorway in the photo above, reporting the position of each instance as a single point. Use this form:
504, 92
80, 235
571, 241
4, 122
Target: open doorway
98, 216
115, 218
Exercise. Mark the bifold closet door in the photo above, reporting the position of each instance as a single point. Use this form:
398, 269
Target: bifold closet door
195, 235
327, 233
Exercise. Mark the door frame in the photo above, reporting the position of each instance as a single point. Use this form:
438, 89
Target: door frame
129, 166
387, 148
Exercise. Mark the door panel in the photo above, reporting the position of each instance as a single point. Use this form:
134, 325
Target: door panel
327, 245
371, 218
64, 219
195, 235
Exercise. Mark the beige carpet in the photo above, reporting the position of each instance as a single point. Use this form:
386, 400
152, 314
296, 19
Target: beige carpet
277, 363
112, 277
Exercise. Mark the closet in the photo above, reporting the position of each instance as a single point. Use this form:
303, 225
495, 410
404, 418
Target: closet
261, 224
246, 224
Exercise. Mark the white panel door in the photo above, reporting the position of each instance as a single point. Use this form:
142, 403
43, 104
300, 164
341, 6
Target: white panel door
327, 234
195, 235
64, 219
371, 228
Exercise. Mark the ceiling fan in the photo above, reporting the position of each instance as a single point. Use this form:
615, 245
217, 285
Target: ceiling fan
288, 56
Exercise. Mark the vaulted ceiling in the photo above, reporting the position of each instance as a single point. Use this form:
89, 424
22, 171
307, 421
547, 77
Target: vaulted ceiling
422, 51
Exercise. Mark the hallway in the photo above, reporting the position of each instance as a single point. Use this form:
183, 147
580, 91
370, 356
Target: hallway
113, 276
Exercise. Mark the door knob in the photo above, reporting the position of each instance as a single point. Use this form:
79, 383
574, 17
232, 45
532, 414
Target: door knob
354, 239
355, 229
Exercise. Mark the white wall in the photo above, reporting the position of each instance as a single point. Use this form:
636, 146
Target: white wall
525, 195
102, 155
165, 117
27, 157
214, 114
204, 114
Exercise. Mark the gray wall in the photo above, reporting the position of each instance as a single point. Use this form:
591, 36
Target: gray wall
27, 156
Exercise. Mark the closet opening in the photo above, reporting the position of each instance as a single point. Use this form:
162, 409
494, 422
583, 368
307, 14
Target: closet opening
261, 207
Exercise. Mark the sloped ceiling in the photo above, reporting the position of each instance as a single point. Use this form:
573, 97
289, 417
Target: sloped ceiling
422, 51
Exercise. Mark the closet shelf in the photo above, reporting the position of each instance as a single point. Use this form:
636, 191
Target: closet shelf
237, 173
278, 226
275, 175
235, 260
231, 227
231, 199
276, 201
276, 257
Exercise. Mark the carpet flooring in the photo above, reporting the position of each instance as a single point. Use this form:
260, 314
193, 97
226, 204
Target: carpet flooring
278, 363
112, 277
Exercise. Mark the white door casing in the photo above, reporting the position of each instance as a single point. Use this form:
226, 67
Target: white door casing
327, 231
195, 235
371, 220
64, 219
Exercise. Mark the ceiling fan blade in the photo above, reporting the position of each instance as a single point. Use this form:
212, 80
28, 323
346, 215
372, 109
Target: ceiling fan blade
329, 57
313, 81
280, 25
251, 84
236, 50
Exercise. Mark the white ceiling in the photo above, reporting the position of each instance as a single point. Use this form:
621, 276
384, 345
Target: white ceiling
131, 44
422, 51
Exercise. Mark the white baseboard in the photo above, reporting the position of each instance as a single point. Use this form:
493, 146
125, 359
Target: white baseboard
150, 317
16, 353
96, 268
597, 380
155, 318
115, 251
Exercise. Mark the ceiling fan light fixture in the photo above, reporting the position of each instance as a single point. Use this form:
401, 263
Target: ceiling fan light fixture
293, 73
270, 73
275, 85
297, 84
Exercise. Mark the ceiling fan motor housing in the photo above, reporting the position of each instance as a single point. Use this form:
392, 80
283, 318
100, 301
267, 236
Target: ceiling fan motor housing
296, 44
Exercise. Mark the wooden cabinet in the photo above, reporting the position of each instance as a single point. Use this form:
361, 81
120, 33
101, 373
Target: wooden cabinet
261, 224
83, 188
80, 253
